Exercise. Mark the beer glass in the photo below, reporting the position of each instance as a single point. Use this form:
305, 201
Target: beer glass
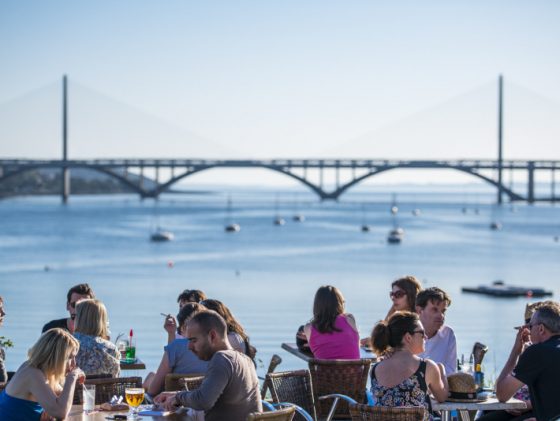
134, 397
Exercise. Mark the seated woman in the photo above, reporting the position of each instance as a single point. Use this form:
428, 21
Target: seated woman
36, 386
402, 378
236, 334
177, 357
97, 354
332, 334
403, 294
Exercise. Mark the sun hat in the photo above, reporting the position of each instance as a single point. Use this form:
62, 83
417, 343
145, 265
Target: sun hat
462, 388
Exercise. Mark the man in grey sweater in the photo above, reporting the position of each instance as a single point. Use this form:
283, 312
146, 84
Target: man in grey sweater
230, 390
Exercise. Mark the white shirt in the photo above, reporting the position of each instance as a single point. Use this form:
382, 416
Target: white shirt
442, 348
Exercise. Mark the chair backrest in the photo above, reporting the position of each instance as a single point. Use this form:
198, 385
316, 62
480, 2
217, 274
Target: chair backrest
360, 412
106, 388
275, 360
292, 387
346, 377
179, 381
286, 414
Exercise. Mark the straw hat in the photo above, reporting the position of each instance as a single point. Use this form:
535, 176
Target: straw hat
462, 388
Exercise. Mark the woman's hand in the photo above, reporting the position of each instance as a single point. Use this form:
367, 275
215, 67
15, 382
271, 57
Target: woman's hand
170, 325
77, 375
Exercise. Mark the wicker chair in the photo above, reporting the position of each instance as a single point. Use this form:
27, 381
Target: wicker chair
347, 377
293, 387
275, 360
286, 414
179, 381
360, 412
106, 388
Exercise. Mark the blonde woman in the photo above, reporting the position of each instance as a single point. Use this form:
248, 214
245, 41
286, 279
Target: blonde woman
45, 383
97, 354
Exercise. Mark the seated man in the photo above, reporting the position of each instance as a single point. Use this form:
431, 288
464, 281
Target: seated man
539, 365
441, 345
230, 390
75, 294
185, 297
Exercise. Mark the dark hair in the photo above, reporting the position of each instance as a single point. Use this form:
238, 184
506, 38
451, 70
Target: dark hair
82, 289
411, 286
434, 294
327, 306
548, 313
210, 320
187, 312
192, 296
388, 334
231, 322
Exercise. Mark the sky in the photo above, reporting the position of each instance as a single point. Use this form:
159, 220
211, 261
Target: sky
273, 79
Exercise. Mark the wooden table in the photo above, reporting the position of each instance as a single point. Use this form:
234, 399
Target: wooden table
137, 365
77, 414
292, 348
463, 408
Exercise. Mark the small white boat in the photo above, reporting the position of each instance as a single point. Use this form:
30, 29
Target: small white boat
496, 226
232, 228
298, 217
395, 236
394, 210
160, 235
416, 212
279, 221
366, 228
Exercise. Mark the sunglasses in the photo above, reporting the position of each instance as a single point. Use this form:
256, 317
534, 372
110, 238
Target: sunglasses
397, 294
422, 331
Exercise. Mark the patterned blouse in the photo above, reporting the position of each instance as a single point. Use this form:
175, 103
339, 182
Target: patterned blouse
412, 391
97, 355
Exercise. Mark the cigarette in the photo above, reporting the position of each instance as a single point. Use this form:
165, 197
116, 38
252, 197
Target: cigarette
519, 327
165, 315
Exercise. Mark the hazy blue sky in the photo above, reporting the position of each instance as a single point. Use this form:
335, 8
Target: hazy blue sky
411, 79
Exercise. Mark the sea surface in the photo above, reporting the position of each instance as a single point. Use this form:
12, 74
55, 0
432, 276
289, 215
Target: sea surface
268, 274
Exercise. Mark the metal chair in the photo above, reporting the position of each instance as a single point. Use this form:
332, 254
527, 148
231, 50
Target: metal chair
293, 387
106, 388
286, 414
180, 381
346, 377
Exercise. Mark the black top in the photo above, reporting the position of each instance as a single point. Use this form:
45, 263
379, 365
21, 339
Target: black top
539, 368
61, 323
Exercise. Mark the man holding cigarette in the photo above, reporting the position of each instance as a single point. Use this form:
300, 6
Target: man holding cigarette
539, 365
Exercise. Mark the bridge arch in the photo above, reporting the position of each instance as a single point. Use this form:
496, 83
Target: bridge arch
336, 194
135, 188
165, 186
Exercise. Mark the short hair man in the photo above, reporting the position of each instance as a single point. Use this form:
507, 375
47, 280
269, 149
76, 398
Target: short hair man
170, 324
441, 344
539, 365
75, 294
230, 390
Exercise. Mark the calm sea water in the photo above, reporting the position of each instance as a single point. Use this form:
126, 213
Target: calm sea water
268, 274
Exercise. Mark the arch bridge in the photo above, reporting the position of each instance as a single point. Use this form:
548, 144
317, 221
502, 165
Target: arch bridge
131, 172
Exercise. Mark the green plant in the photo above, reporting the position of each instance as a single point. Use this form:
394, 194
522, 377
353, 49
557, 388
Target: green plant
5, 342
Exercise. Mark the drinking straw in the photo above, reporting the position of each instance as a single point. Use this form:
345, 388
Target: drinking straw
131, 333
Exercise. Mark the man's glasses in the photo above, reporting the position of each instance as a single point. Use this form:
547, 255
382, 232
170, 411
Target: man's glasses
397, 294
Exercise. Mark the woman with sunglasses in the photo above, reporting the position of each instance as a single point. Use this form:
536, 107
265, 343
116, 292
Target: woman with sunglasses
332, 334
402, 378
403, 294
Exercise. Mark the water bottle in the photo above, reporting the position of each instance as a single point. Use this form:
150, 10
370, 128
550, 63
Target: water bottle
479, 378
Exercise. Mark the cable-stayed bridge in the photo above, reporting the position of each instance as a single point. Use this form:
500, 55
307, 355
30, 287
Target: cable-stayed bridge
298, 169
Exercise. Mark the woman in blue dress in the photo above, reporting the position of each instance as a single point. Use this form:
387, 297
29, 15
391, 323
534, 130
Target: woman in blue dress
36, 386
402, 378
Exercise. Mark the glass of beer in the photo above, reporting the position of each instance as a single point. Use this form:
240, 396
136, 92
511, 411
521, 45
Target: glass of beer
134, 397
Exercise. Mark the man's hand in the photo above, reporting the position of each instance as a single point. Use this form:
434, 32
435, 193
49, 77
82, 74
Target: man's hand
167, 400
170, 325
522, 338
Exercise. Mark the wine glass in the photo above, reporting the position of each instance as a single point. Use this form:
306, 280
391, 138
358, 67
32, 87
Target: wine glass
134, 397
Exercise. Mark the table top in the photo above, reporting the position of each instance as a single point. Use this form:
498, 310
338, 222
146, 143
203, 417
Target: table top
77, 414
292, 348
137, 365
489, 404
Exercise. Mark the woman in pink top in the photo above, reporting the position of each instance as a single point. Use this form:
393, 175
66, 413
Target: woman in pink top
332, 334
